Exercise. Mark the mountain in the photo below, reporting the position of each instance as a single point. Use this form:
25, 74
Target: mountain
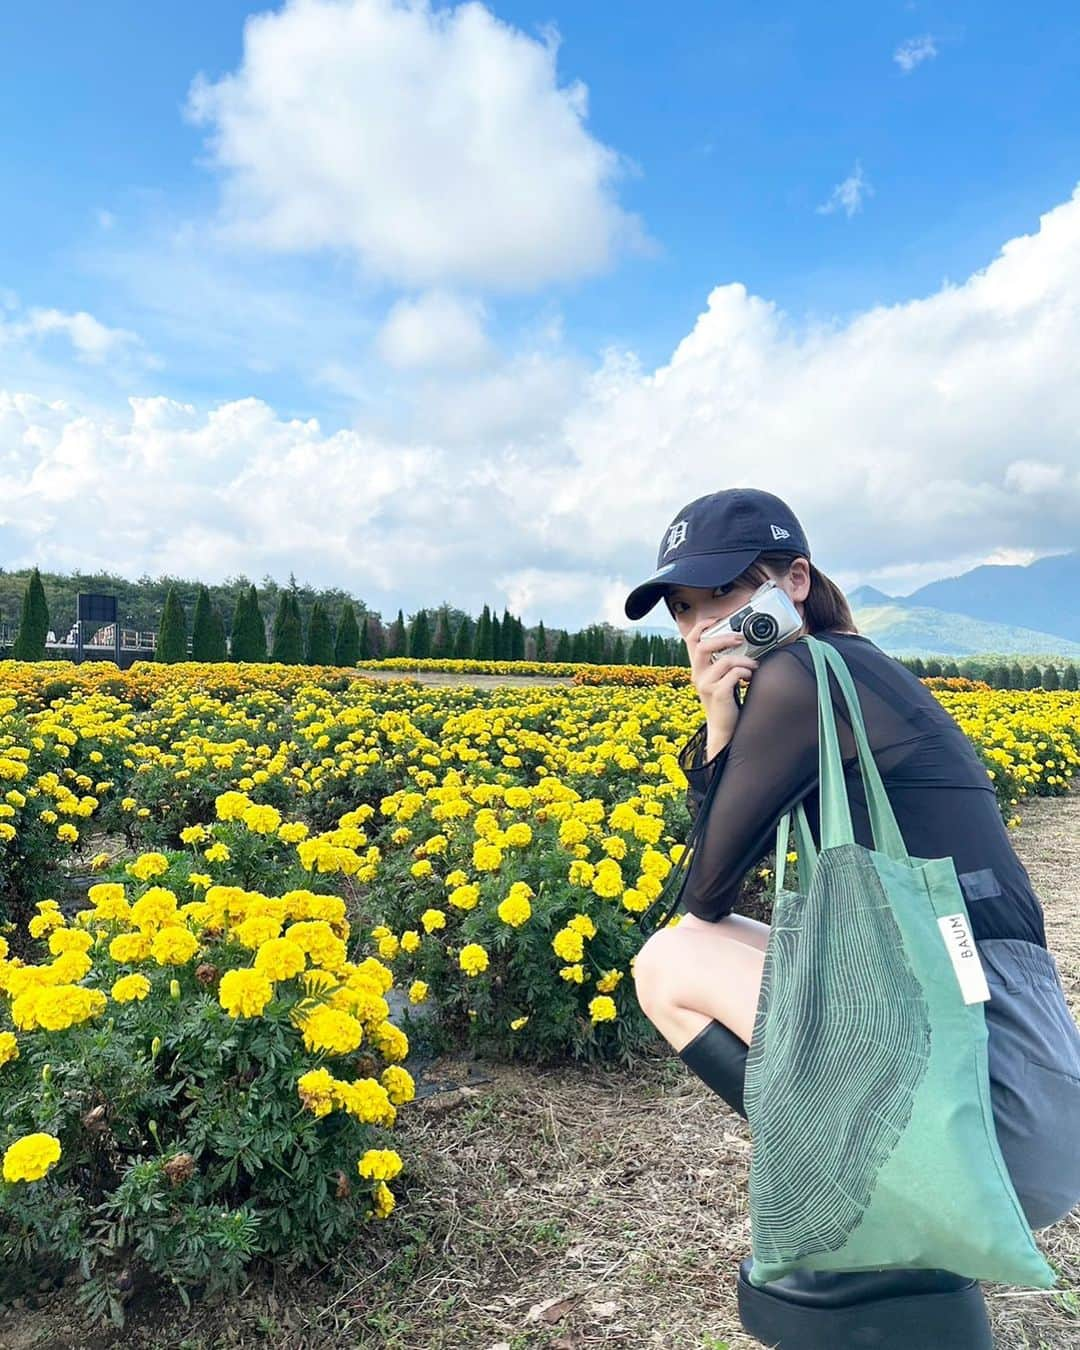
1043, 596
865, 596
902, 629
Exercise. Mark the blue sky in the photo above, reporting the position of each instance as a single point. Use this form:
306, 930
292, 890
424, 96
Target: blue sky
729, 132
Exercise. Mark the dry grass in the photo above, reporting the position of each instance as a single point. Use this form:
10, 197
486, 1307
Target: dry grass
573, 1209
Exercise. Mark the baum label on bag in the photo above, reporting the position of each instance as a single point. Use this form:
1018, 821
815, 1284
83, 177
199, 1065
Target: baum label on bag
965, 957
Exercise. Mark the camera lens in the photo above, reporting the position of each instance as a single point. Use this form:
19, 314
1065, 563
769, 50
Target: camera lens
761, 628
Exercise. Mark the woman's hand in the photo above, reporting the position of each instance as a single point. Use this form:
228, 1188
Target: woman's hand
715, 681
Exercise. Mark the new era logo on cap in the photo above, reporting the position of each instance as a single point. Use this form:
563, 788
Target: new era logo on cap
778, 533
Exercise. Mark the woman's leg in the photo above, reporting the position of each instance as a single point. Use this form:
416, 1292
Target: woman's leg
687, 976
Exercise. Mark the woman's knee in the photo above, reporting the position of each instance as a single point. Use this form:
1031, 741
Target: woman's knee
653, 967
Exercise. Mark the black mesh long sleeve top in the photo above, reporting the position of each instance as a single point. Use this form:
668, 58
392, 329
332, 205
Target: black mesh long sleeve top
940, 791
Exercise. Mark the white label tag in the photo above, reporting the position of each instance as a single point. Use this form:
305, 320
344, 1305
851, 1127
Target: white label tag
965, 958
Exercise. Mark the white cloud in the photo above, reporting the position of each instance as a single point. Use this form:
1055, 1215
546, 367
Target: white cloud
913, 441
848, 195
914, 52
90, 339
435, 145
434, 330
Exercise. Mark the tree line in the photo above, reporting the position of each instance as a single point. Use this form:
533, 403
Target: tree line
310, 635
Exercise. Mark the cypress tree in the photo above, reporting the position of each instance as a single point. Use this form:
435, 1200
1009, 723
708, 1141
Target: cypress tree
172, 637
320, 638
463, 641
33, 622
1016, 676
236, 634
1033, 677
441, 645
255, 627
395, 638
541, 642
420, 636
482, 637
496, 639
216, 645
347, 642
201, 637
1050, 678
365, 641
563, 653
287, 647
1070, 679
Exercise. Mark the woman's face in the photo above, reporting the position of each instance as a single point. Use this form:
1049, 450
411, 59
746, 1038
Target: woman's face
689, 605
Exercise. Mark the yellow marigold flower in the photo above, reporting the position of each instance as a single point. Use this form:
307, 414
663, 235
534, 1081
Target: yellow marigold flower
518, 835
3, 949
232, 805
418, 991
129, 987
329, 1031
518, 1023
515, 910
148, 865
174, 946
256, 930
70, 967
320, 942
399, 1084
29, 1158
218, 852
581, 873
382, 1200
367, 1100
486, 857
431, 919
410, 940
573, 831
602, 1008
128, 947
316, 1089
9, 1047
518, 797
456, 878
155, 909
634, 901
390, 1040
473, 958
654, 863
464, 897
649, 886
581, 923
609, 981
63, 1006
280, 959
569, 944
574, 973
261, 819
44, 923
244, 993
388, 947
380, 1164
422, 868
108, 899
614, 845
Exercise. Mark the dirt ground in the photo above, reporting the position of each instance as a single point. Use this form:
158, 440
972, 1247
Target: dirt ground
574, 1209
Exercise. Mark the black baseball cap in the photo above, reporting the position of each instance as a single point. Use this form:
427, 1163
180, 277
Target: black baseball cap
715, 538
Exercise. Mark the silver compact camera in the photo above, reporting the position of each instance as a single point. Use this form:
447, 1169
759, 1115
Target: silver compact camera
764, 621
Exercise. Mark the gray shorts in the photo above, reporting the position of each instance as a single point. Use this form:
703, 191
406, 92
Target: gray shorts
1034, 1056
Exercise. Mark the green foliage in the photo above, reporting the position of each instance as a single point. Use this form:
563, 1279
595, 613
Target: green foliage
172, 635
320, 638
29, 645
347, 647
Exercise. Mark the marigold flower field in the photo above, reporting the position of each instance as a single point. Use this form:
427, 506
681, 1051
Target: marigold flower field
215, 879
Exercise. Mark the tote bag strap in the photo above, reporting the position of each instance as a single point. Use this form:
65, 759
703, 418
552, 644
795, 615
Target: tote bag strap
808, 854
836, 827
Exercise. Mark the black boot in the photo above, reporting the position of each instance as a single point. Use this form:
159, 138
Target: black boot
718, 1057
895, 1309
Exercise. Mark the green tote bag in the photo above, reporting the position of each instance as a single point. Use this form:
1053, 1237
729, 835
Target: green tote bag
867, 1087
